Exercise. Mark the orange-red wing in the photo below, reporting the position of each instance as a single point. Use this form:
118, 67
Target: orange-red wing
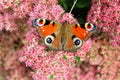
47, 29
80, 32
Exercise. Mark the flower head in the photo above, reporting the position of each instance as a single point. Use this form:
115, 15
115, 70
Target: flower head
106, 15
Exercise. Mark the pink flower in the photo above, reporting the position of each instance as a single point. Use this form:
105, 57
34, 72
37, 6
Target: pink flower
46, 65
106, 60
44, 11
23, 9
95, 60
7, 21
1, 22
84, 49
12, 11
68, 18
106, 15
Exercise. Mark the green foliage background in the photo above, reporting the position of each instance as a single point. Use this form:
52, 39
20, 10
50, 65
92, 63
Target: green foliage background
79, 11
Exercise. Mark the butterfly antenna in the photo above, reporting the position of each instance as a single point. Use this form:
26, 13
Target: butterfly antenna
72, 6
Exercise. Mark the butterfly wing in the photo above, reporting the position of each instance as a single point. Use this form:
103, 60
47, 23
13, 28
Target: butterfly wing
76, 34
83, 31
50, 31
45, 27
67, 37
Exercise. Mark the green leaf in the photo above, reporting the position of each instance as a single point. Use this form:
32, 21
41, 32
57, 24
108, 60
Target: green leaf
80, 9
63, 3
36, 71
51, 77
47, 49
65, 57
77, 59
40, 41
83, 3
67, 4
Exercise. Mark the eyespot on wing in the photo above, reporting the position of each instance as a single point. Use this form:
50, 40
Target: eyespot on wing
45, 27
80, 32
90, 27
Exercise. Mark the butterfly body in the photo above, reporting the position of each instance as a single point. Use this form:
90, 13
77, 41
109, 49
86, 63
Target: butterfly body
67, 37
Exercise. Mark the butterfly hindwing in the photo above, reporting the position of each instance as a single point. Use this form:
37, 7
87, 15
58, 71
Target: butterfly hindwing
69, 39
